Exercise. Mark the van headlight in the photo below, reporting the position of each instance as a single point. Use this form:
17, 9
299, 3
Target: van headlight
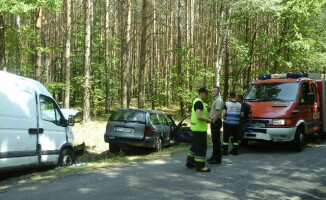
279, 122
282, 122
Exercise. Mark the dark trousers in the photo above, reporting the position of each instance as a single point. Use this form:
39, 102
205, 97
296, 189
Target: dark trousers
230, 130
242, 129
197, 153
216, 139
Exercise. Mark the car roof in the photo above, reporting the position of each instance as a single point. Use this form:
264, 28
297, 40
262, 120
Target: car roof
141, 110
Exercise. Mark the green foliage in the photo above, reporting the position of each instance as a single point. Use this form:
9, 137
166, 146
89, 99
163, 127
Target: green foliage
23, 6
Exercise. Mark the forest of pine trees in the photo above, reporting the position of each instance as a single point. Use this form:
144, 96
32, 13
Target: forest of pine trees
94, 54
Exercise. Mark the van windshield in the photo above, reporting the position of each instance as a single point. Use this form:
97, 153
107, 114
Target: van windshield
272, 92
128, 116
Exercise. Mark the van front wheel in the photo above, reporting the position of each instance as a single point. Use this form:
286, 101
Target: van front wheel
66, 158
299, 139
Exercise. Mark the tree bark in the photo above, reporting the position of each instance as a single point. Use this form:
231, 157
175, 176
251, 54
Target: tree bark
2, 43
125, 62
227, 56
38, 26
86, 95
107, 61
67, 54
179, 61
142, 60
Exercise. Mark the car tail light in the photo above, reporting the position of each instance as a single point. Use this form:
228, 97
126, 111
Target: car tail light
148, 131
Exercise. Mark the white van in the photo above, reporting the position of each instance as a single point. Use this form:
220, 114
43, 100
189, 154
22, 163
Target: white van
33, 130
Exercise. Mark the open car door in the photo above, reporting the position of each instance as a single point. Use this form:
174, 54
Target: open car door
183, 132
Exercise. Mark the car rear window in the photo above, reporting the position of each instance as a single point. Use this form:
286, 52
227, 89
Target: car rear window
128, 116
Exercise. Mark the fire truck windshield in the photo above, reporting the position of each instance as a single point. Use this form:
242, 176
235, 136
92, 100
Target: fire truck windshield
272, 92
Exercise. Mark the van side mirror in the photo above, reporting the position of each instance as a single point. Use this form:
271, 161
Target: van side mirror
311, 98
78, 118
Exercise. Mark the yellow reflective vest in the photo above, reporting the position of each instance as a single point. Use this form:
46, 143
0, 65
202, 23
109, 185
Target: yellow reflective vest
198, 125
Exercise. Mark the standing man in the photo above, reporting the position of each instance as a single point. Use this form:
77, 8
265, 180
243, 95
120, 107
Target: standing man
247, 115
197, 154
216, 116
232, 112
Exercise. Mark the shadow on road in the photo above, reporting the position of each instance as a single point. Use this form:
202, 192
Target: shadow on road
273, 148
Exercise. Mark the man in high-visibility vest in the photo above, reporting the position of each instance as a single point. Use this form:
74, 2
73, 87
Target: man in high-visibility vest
232, 112
199, 118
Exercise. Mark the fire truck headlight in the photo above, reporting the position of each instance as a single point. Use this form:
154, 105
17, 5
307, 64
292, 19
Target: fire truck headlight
279, 122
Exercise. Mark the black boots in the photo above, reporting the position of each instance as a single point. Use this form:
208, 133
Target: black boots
235, 150
225, 150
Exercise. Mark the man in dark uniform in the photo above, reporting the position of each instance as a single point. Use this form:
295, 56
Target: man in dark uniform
199, 119
247, 115
216, 116
232, 112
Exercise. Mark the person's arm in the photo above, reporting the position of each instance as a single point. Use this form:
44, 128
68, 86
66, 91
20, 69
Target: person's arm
223, 113
217, 115
200, 117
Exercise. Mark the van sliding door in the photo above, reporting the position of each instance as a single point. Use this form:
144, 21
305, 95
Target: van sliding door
18, 125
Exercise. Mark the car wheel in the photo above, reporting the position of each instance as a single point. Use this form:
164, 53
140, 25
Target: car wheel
114, 148
66, 158
158, 145
299, 139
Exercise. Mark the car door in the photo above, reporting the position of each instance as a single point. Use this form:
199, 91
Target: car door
172, 126
183, 133
165, 128
306, 109
54, 135
315, 109
156, 126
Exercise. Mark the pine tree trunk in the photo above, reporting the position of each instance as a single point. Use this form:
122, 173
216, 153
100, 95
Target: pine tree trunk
86, 95
38, 26
142, 61
2, 43
107, 62
179, 61
67, 54
125, 62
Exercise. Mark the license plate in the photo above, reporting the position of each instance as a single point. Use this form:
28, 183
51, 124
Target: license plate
257, 125
122, 129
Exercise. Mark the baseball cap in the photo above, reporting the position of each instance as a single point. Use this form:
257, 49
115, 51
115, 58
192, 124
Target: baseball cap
203, 89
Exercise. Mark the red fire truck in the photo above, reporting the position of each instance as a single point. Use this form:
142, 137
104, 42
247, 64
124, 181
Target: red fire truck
287, 108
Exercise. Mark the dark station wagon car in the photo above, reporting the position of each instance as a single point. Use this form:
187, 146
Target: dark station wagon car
143, 128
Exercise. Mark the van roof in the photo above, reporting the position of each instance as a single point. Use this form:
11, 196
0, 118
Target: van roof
9, 80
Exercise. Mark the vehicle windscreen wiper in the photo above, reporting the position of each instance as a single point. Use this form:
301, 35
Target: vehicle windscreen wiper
255, 100
277, 100
137, 121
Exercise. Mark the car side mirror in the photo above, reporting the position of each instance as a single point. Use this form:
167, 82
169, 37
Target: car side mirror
184, 124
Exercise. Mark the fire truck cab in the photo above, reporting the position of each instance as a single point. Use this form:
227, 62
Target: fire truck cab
286, 108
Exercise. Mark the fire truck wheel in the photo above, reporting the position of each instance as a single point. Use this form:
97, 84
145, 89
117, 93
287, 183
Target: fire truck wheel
299, 139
